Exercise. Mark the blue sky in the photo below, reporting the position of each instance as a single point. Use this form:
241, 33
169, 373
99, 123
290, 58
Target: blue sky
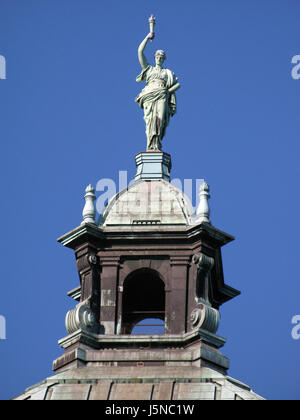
68, 118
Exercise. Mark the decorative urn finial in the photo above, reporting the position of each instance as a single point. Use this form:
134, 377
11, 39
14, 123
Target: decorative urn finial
203, 210
89, 211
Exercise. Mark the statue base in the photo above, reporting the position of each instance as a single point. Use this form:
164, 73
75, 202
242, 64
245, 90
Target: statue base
153, 165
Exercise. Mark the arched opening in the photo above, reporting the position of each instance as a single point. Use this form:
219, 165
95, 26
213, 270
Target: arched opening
152, 326
143, 303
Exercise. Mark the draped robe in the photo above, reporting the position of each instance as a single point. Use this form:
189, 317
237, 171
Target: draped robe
156, 101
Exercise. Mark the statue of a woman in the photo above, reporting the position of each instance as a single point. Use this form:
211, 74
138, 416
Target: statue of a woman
158, 97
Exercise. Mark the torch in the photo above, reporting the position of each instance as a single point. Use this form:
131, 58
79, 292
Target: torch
151, 25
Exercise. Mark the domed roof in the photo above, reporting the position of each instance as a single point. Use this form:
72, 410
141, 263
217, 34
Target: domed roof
148, 202
119, 383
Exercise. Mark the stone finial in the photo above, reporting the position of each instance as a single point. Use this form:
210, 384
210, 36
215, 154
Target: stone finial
203, 210
89, 211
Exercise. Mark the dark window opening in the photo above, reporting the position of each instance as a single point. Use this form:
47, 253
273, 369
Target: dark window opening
143, 300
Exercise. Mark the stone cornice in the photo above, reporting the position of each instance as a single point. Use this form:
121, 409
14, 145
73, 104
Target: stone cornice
81, 234
149, 233
164, 340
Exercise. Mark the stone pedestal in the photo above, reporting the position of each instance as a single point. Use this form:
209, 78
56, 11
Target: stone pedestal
84, 348
153, 165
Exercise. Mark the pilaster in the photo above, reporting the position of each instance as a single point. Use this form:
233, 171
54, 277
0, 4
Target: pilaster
109, 293
176, 304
